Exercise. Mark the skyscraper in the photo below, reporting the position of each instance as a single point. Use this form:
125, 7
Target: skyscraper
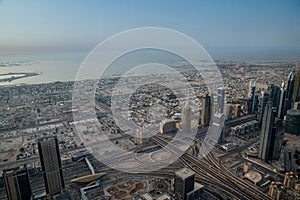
184, 182
17, 184
281, 109
266, 136
220, 100
186, 118
261, 105
237, 110
206, 110
218, 127
274, 95
290, 89
51, 165
251, 95
277, 138
296, 91
252, 89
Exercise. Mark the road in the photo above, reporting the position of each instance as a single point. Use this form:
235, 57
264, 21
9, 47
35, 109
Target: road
212, 172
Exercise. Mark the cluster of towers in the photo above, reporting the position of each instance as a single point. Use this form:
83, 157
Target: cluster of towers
271, 107
17, 180
214, 107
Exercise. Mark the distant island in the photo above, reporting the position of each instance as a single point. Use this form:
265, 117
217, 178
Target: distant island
9, 77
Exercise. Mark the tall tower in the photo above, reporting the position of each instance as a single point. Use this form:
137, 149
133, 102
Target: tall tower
266, 136
252, 89
218, 126
290, 90
251, 95
184, 182
261, 105
296, 91
206, 110
220, 100
237, 110
51, 165
186, 117
281, 111
17, 184
274, 94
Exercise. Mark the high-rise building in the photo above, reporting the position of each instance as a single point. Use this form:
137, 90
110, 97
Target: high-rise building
251, 95
252, 89
237, 110
230, 112
281, 108
17, 184
277, 138
186, 118
266, 136
220, 100
261, 105
290, 89
276, 190
51, 164
255, 104
139, 136
290, 180
185, 186
274, 95
184, 182
168, 126
206, 111
217, 127
296, 91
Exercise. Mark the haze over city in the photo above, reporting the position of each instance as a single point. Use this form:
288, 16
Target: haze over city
149, 100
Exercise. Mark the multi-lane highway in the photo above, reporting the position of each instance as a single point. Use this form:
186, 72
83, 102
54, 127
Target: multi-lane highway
212, 173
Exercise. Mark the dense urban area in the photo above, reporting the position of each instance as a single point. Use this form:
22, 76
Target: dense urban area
256, 156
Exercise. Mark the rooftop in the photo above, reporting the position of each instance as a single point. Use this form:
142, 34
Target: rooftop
184, 173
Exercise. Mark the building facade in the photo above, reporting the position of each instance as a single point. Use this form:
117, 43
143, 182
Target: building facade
17, 184
51, 165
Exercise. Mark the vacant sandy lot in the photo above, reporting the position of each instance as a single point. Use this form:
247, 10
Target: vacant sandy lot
9, 149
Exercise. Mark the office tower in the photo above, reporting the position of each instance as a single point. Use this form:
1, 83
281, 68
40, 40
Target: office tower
51, 165
277, 138
274, 95
251, 95
17, 184
252, 89
218, 127
184, 182
290, 89
220, 100
255, 104
276, 190
168, 126
206, 111
266, 136
290, 180
139, 136
237, 110
261, 105
296, 91
186, 118
246, 106
281, 112
230, 112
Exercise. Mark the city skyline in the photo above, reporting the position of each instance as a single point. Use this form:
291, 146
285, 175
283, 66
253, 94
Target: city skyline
149, 100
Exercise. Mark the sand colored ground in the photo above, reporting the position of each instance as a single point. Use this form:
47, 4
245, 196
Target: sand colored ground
9, 149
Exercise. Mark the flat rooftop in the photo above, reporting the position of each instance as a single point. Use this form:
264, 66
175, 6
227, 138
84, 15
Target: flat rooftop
184, 173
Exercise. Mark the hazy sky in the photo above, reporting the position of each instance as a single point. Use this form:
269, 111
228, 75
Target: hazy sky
29, 26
